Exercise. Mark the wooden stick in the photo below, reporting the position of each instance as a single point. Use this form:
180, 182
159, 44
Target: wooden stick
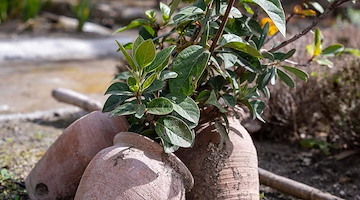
75, 98
292, 187
280, 183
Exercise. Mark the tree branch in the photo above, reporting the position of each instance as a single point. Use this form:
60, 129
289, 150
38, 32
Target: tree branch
222, 26
328, 10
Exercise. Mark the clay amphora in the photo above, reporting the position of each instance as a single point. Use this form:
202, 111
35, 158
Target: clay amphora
134, 168
58, 173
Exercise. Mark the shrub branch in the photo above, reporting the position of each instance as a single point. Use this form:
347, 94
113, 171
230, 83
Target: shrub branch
328, 10
222, 26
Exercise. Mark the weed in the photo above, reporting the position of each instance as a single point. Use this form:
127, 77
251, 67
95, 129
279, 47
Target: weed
10, 188
82, 13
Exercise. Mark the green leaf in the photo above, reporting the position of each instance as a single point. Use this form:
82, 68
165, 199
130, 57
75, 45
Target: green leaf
285, 78
155, 86
268, 55
160, 106
222, 130
250, 63
150, 133
240, 46
133, 85
124, 109
317, 6
257, 107
165, 11
263, 36
212, 100
266, 92
248, 9
145, 53
122, 76
187, 13
140, 110
161, 59
186, 107
324, 61
275, 11
174, 4
189, 65
147, 32
217, 6
148, 81
232, 77
203, 96
217, 82
133, 24
112, 102
128, 46
229, 100
167, 74
333, 50
317, 42
137, 42
129, 59
283, 56
119, 88
227, 38
229, 59
297, 72
354, 52
234, 12
264, 79
174, 131
168, 148
151, 15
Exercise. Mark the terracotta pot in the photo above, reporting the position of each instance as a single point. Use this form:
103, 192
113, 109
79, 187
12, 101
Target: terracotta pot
134, 168
222, 169
58, 173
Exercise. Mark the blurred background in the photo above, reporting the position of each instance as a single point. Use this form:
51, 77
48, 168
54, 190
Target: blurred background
312, 132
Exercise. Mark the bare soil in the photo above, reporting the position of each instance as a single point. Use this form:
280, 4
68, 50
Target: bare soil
311, 167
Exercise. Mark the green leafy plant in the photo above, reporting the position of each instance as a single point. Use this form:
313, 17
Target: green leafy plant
9, 187
203, 60
4, 6
321, 55
82, 13
312, 143
15, 8
31, 9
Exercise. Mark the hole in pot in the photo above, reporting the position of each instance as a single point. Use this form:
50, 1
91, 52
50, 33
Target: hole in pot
41, 189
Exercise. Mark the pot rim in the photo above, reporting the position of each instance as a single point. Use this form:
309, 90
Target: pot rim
146, 144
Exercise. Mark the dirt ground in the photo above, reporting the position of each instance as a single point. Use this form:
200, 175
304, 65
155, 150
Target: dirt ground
312, 167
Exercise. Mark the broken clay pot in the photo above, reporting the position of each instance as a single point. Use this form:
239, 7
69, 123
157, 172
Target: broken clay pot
58, 173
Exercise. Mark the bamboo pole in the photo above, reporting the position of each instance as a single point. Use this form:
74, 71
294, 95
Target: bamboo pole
75, 98
293, 188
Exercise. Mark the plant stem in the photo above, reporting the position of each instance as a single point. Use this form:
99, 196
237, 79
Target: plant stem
222, 26
328, 10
